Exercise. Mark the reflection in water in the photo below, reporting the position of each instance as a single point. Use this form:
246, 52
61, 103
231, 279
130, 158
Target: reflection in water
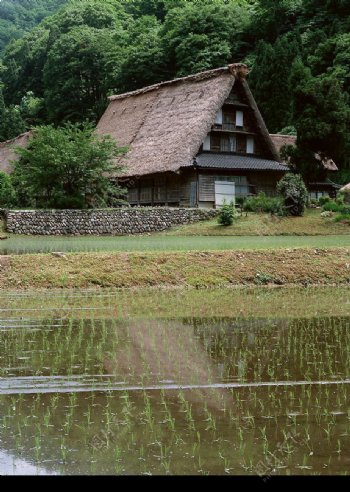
233, 422
14, 466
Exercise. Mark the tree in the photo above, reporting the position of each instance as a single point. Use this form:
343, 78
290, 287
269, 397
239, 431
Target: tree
20, 16
144, 60
321, 115
11, 121
71, 60
227, 214
273, 18
7, 191
77, 74
67, 167
271, 83
205, 35
295, 195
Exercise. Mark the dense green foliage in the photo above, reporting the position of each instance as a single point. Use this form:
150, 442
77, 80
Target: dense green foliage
7, 191
11, 120
264, 204
66, 168
295, 195
20, 16
298, 51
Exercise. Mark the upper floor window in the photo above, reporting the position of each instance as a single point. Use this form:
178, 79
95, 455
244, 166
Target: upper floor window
250, 145
239, 119
229, 142
228, 122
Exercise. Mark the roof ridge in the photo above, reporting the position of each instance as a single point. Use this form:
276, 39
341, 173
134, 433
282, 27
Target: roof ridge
237, 69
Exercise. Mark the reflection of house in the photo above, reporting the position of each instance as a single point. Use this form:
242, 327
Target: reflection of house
187, 136
317, 189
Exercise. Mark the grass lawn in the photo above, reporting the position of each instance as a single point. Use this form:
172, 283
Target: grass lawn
312, 224
23, 244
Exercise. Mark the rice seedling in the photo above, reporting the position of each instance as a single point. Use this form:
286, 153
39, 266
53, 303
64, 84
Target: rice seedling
200, 422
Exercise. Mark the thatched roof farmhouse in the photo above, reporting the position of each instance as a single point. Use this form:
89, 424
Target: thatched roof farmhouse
191, 141
190, 137
187, 134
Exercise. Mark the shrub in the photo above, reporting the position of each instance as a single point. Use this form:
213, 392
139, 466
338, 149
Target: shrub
295, 195
340, 200
323, 200
262, 203
333, 206
7, 191
227, 214
343, 218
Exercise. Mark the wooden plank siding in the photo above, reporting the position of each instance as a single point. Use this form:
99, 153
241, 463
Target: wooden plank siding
181, 190
161, 189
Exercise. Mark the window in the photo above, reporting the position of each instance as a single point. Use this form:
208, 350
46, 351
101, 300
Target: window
250, 145
239, 119
206, 143
228, 121
222, 143
241, 182
241, 145
228, 143
215, 142
218, 118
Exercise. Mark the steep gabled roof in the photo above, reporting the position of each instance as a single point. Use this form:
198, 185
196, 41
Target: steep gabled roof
164, 125
280, 141
7, 153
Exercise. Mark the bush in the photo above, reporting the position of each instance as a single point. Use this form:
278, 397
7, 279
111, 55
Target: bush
323, 200
7, 191
294, 193
227, 214
343, 218
340, 200
262, 203
333, 206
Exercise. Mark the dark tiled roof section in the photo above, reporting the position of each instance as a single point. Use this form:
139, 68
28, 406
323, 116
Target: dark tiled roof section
229, 161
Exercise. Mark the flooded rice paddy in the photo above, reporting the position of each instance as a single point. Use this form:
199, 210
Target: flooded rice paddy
253, 382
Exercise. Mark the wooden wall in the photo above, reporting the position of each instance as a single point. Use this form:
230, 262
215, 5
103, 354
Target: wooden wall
193, 187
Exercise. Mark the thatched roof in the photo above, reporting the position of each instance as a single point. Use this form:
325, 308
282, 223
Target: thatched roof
7, 153
164, 125
280, 141
345, 189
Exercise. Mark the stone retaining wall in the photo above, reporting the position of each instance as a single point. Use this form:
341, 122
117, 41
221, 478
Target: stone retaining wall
101, 222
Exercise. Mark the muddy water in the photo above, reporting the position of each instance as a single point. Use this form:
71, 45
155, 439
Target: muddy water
233, 395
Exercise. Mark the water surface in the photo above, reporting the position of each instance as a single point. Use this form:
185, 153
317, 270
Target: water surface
87, 386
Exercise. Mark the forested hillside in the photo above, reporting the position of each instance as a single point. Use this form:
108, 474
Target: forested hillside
298, 52
20, 16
